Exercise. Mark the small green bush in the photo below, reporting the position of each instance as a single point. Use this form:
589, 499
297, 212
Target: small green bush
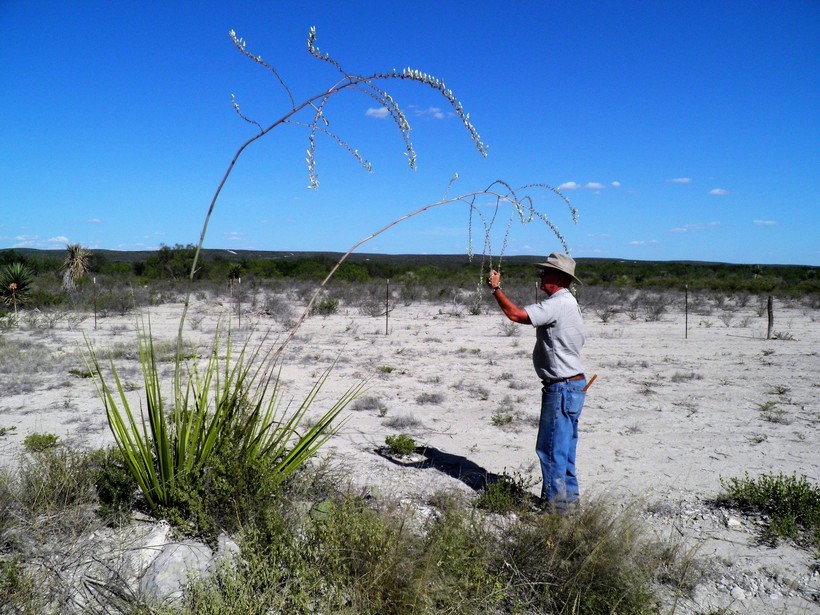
400, 444
18, 589
792, 503
326, 306
507, 494
38, 442
116, 487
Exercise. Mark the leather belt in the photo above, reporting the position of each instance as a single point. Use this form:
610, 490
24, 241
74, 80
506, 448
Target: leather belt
551, 382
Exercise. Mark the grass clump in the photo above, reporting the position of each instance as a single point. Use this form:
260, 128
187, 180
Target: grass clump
792, 504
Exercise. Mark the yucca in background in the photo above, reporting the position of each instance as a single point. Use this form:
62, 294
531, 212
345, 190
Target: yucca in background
75, 266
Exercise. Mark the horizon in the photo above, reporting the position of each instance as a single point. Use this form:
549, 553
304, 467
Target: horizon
680, 132
449, 255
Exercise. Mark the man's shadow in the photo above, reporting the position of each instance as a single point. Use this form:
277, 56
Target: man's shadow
461, 468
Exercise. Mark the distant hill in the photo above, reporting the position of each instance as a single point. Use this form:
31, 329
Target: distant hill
135, 256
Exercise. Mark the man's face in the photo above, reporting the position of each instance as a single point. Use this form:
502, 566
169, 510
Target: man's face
552, 280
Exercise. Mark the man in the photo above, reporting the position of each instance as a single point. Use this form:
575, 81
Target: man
559, 332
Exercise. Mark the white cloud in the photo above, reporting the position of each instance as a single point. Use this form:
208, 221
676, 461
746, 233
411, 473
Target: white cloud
379, 113
680, 180
577, 186
616, 184
59, 239
433, 112
694, 228
95, 221
718, 192
765, 223
641, 242
598, 235
233, 236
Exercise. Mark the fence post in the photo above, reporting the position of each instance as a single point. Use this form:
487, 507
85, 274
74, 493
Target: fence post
770, 311
686, 335
387, 308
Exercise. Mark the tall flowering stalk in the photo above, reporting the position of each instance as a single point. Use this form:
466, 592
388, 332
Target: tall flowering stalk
316, 104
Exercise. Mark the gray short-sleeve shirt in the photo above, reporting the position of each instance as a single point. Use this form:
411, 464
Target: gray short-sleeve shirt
559, 333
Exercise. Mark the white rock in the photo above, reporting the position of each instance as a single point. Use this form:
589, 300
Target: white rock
738, 593
167, 575
733, 524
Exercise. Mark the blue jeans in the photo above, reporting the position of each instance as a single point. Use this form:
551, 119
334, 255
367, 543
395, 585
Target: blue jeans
561, 405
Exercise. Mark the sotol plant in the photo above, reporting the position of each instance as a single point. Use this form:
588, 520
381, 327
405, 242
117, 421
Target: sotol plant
224, 402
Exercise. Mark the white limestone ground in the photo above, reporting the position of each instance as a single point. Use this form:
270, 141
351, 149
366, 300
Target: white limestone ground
666, 419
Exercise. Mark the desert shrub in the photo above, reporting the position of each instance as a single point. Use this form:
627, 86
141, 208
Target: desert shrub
115, 486
38, 442
371, 307
606, 313
19, 590
326, 306
403, 421
54, 478
367, 403
791, 502
592, 562
509, 328
429, 398
510, 492
400, 444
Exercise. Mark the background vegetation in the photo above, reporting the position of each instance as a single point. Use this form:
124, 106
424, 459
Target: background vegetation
118, 280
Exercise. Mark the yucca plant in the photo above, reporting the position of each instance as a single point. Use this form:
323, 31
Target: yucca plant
223, 401
15, 280
75, 266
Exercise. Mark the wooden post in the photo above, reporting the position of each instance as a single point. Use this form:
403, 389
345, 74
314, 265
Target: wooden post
686, 335
770, 310
95, 303
387, 308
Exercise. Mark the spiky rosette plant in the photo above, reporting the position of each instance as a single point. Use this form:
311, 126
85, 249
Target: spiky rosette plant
75, 266
15, 281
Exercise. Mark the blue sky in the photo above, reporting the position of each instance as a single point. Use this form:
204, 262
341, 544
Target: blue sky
679, 130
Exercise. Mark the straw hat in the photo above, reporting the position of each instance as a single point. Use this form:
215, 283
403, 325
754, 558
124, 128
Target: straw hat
561, 262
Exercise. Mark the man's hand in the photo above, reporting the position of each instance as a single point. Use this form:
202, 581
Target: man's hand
493, 279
